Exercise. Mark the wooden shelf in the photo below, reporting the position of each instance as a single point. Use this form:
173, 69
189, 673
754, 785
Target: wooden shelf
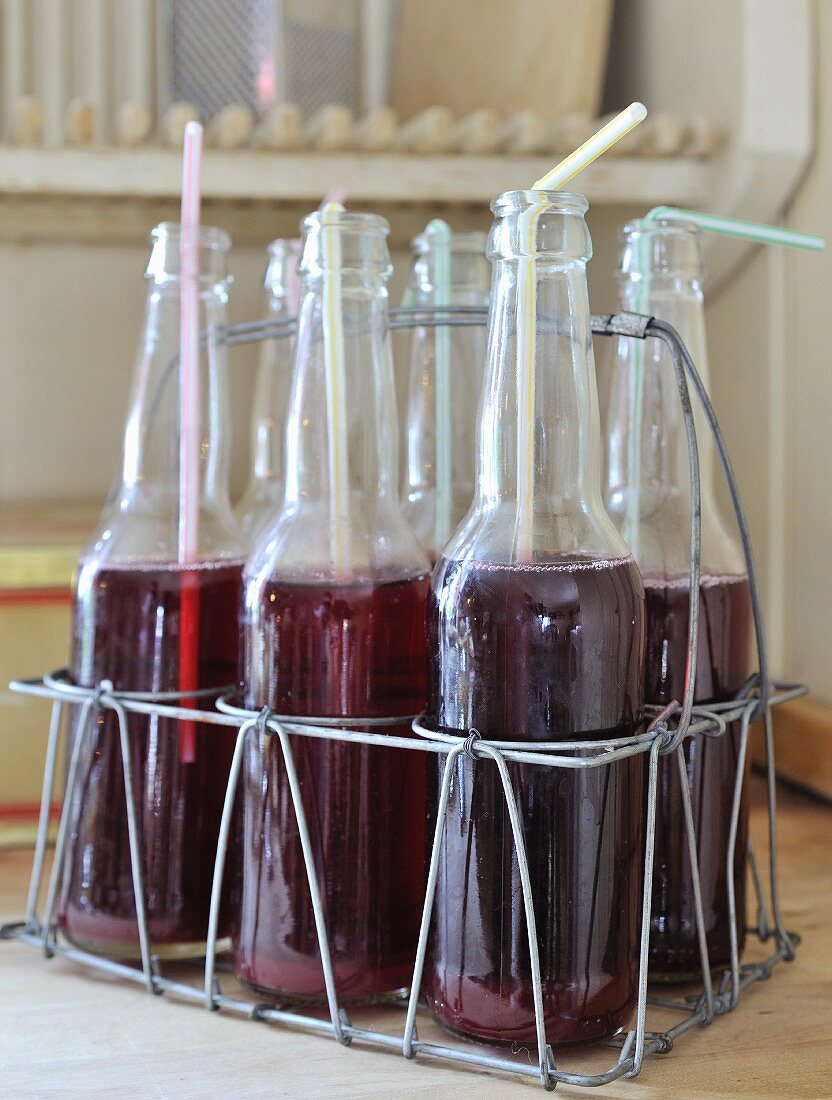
381, 178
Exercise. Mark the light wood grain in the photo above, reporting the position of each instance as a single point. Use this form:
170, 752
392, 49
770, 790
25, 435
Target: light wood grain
66, 1034
545, 54
802, 744
377, 177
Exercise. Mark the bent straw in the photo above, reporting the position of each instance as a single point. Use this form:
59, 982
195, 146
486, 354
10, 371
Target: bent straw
742, 230
440, 235
336, 396
189, 447
585, 154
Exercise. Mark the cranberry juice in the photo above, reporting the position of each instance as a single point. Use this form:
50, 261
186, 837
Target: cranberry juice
722, 666
126, 629
334, 651
546, 652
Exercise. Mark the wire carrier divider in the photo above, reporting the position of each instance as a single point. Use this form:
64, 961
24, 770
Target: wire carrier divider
665, 736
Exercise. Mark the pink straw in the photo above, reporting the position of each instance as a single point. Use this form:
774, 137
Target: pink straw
334, 194
189, 447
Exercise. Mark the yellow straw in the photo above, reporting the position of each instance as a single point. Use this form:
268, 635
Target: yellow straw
336, 395
585, 154
526, 319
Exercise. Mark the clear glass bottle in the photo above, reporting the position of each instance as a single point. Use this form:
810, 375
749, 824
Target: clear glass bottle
334, 627
648, 494
130, 596
536, 633
263, 496
444, 385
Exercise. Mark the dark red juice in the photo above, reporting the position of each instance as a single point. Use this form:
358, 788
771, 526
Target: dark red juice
329, 651
723, 665
551, 651
126, 629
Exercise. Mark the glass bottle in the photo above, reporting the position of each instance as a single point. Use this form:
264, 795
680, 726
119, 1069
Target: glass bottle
536, 633
444, 386
333, 626
264, 492
131, 595
648, 494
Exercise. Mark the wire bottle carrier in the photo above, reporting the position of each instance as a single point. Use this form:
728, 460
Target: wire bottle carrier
668, 728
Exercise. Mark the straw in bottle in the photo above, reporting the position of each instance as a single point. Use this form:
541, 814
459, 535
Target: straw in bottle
336, 404
440, 235
608, 135
711, 223
189, 443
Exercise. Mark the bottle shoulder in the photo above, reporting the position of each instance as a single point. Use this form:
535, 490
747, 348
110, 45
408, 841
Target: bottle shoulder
137, 535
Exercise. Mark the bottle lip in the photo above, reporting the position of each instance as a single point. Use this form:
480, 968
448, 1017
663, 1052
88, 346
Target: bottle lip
290, 246
346, 220
567, 202
473, 243
209, 236
664, 248
660, 227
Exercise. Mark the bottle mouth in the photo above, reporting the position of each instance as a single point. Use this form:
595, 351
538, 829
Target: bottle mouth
516, 201
666, 247
676, 228
555, 232
346, 220
469, 244
361, 244
209, 236
284, 246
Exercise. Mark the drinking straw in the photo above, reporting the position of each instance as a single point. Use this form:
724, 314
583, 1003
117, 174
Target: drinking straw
189, 443
585, 154
441, 237
334, 195
711, 223
336, 402
743, 230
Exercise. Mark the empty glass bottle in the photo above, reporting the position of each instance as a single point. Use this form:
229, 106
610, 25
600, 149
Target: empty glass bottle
150, 621
334, 627
648, 493
536, 633
264, 492
444, 384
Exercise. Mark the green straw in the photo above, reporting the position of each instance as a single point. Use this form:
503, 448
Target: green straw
744, 231
440, 235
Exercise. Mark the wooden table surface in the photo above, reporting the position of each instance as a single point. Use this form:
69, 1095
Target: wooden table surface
67, 1034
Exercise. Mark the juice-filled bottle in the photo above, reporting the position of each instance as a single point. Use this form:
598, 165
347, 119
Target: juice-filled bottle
648, 493
264, 493
444, 384
536, 633
334, 626
151, 619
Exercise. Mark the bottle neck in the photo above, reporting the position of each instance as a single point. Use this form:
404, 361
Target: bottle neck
342, 432
273, 375
649, 445
455, 274
556, 409
647, 479
151, 465
444, 388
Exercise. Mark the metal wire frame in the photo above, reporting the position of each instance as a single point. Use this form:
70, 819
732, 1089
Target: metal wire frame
665, 736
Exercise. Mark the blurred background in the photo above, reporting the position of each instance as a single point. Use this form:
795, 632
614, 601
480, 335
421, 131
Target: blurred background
417, 109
